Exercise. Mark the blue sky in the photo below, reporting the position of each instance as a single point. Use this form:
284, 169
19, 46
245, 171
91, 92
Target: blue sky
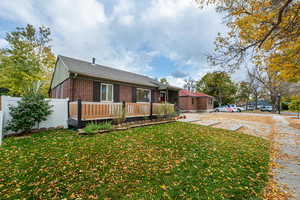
158, 38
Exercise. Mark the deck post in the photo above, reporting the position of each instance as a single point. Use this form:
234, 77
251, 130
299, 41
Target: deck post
123, 109
68, 108
79, 113
151, 110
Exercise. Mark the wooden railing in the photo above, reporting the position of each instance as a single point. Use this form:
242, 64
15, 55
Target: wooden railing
163, 109
137, 109
73, 110
93, 111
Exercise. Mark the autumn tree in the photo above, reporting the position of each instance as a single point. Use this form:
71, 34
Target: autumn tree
27, 59
218, 85
268, 31
243, 92
295, 105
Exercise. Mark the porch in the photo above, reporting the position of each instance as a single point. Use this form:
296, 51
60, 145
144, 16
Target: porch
82, 112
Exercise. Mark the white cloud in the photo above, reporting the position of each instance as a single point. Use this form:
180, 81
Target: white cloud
126, 34
3, 43
175, 81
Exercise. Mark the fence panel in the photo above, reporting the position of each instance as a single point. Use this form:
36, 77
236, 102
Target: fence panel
163, 109
137, 109
73, 109
95, 110
91, 111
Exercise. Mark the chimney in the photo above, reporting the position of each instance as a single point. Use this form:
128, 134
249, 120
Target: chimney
94, 61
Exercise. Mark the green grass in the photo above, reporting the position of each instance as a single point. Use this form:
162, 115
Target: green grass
170, 161
95, 127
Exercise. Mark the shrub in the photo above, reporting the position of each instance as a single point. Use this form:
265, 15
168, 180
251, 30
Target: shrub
95, 127
32, 109
295, 105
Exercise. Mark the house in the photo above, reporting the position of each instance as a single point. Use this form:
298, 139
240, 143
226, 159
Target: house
195, 101
76, 79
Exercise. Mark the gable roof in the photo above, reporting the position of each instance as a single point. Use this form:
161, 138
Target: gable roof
100, 71
184, 93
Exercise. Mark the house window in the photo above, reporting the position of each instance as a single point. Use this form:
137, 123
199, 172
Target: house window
210, 101
192, 100
106, 92
143, 95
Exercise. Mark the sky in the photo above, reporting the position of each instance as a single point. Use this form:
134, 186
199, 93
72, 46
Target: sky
157, 38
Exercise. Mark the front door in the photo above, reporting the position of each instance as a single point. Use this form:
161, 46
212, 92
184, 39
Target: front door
163, 96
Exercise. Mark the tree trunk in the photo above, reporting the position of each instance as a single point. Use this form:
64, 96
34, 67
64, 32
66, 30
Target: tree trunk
256, 100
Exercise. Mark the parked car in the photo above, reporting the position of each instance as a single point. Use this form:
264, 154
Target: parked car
229, 108
236, 108
266, 108
220, 109
250, 107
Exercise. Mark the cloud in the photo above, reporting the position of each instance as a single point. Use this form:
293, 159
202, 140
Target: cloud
179, 74
125, 34
3, 43
179, 82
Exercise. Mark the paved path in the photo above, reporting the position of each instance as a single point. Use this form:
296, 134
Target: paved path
289, 140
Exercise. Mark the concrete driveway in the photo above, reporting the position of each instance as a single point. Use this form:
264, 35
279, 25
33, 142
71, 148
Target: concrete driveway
282, 130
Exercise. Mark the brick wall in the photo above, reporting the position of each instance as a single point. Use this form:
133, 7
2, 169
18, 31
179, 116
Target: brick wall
62, 91
195, 104
125, 93
83, 89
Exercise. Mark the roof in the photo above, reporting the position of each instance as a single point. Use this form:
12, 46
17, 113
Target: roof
184, 93
109, 73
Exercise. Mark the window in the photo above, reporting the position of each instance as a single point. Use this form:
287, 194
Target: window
210, 102
143, 95
192, 100
106, 92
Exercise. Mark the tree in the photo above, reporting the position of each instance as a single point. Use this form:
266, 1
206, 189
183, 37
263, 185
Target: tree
27, 59
295, 105
244, 92
164, 81
190, 84
254, 84
266, 30
219, 85
271, 83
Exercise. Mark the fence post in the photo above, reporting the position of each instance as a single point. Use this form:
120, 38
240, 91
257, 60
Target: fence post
68, 108
151, 110
79, 113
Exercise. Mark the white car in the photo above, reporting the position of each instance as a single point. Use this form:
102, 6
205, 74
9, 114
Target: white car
266, 108
229, 108
236, 108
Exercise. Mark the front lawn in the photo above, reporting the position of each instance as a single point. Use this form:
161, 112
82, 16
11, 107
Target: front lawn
170, 161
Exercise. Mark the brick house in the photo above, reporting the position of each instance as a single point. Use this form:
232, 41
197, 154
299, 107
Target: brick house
195, 101
88, 81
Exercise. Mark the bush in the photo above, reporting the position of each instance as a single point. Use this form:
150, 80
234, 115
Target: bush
32, 109
295, 105
94, 127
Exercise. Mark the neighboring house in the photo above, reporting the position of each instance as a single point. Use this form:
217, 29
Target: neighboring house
195, 101
77, 79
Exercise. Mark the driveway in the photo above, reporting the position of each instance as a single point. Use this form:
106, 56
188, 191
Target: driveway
282, 130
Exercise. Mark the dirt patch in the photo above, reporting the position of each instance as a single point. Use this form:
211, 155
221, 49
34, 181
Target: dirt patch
295, 123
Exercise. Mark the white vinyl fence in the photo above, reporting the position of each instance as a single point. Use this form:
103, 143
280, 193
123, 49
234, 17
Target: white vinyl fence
57, 119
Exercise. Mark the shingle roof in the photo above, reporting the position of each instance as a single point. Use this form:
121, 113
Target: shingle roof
100, 71
192, 94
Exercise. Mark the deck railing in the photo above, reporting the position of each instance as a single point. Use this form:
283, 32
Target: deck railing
96, 111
